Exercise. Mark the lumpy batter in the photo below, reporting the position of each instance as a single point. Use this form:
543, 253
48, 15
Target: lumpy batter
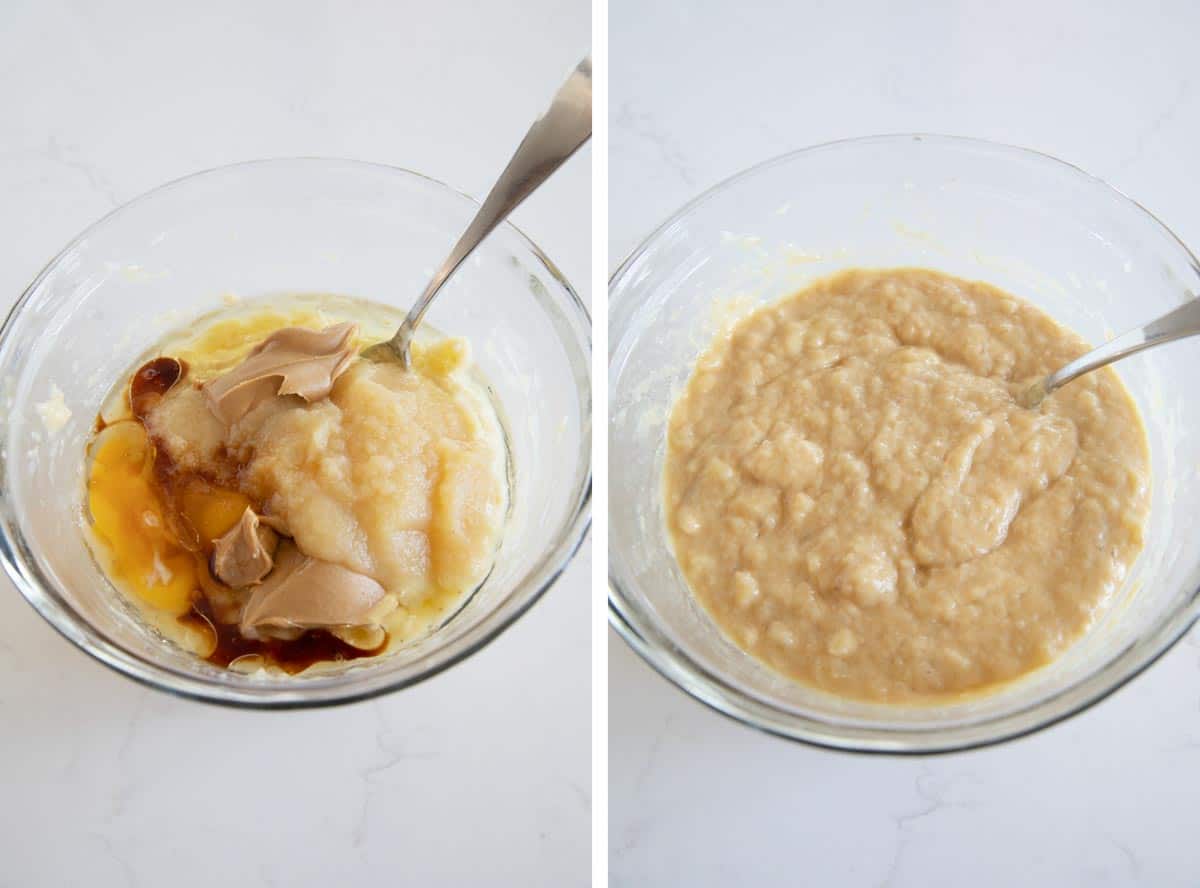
856, 497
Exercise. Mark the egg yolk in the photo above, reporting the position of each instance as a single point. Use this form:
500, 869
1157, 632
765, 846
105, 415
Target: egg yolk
129, 516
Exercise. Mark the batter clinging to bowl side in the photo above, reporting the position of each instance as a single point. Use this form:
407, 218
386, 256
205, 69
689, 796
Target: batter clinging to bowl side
274, 497
855, 496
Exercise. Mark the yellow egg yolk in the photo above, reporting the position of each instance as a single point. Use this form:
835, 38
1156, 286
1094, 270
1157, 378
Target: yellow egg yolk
128, 514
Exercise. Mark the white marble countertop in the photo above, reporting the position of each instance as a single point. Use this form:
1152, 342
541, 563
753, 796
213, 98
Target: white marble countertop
700, 90
481, 775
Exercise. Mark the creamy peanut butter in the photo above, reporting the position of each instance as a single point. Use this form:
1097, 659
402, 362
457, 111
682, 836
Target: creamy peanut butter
856, 497
306, 593
291, 361
244, 554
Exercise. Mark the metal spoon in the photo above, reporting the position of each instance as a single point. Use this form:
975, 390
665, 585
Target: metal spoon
1178, 323
554, 137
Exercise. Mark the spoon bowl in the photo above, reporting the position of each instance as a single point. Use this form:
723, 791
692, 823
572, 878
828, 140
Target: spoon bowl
294, 229
1021, 221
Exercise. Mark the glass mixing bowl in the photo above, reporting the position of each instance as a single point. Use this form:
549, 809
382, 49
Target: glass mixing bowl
269, 227
1028, 223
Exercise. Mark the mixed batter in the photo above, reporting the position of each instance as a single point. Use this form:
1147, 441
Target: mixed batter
857, 498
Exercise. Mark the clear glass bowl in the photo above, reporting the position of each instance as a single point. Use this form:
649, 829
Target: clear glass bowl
269, 227
1028, 223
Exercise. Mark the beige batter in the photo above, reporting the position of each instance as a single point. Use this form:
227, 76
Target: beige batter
855, 496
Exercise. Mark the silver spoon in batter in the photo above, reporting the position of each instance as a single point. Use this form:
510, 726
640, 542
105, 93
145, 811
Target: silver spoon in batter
554, 137
1178, 323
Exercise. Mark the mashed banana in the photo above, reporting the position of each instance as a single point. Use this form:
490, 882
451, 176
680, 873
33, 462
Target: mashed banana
857, 499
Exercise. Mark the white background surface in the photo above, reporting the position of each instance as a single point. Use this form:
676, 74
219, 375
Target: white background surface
480, 776
700, 90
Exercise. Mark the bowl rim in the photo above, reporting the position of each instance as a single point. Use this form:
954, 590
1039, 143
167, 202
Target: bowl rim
44, 596
682, 670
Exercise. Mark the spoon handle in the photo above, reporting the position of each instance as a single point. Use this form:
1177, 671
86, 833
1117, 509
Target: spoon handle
1176, 324
553, 138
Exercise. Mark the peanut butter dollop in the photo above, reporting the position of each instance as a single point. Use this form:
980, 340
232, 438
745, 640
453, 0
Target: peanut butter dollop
243, 555
291, 361
306, 593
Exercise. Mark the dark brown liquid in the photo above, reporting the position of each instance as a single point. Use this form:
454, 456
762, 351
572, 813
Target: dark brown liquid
153, 380
314, 646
